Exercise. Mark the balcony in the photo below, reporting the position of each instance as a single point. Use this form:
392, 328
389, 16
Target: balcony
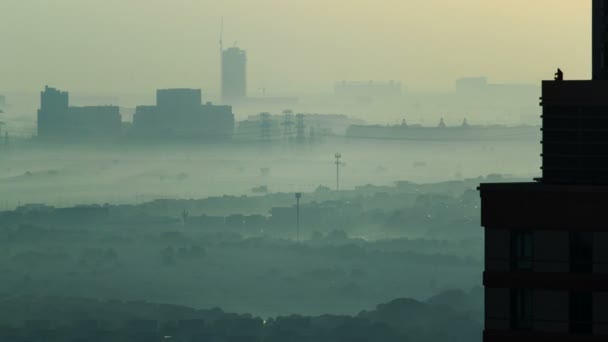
546, 280
531, 336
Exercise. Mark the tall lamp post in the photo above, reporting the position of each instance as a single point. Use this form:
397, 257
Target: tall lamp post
338, 163
298, 196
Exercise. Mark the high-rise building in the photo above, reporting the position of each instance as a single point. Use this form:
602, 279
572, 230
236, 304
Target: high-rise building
546, 242
234, 75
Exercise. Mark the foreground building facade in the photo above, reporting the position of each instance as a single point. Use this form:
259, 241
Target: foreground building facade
546, 242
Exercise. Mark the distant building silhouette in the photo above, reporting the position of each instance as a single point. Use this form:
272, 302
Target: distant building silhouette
179, 99
234, 75
179, 113
57, 120
546, 243
53, 111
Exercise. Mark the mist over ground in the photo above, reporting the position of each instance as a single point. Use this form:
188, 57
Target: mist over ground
200, 226
223, 214
66, 175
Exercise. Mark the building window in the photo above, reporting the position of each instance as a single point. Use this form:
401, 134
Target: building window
581, 252
581, 312
522, 250
521, 309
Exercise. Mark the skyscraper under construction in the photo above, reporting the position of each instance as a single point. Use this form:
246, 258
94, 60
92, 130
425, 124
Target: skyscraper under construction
234, 75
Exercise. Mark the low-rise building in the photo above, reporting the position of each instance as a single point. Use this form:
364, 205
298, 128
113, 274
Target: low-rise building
57, 120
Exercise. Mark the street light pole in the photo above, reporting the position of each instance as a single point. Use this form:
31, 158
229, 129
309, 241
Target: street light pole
298, 196
338, 163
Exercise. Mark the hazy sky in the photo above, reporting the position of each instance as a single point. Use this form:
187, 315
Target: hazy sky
114, 46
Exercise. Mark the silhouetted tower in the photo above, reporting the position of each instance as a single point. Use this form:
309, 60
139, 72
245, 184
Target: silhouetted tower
265, 126
546, 242
298, 196
234, 75
300, 129
288, 125
338, 156
465, 123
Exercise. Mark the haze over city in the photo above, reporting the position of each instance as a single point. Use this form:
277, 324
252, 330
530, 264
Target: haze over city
303, 171
115, 46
